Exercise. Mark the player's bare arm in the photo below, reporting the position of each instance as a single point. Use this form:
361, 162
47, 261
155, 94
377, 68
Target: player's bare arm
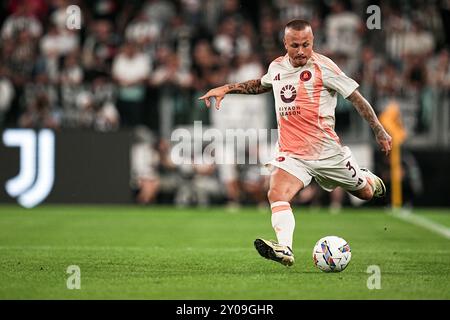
247, 87
366, 111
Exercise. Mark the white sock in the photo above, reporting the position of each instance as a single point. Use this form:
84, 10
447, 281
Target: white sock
283, 222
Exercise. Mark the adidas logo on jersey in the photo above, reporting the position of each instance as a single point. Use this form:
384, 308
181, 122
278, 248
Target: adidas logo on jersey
277, 77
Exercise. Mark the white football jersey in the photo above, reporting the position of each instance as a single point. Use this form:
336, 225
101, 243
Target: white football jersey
305, 101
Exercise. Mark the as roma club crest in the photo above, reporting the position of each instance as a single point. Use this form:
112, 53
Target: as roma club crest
305, 75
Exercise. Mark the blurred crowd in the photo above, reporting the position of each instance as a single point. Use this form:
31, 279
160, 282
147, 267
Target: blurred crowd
143, 64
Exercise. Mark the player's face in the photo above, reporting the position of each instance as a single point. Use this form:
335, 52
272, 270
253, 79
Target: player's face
299, 45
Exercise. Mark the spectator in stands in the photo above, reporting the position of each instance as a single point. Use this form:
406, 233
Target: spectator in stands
438, 70
71, 72
344, 30
253, 115
208, 72
100, 48
6, 94
295, 9
229, 41
370, 65
142, 30
170, 73
145, 180
254, 185
191, 11
388, 84
73, 91
174, 83
104, 9
58, 42
160, 11
131, 70
270, 38
197, 185
39, 114
94, 106
104, 104
22, 19
23, 55
41, 87
58, 15
418, 41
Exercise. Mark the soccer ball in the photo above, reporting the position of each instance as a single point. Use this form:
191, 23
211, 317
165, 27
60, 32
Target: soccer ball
331, 254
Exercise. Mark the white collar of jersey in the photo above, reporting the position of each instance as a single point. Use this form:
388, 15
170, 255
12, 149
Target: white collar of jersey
289, 64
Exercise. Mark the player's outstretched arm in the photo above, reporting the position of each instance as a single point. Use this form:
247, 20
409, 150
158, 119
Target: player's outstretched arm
366, 111
248, 87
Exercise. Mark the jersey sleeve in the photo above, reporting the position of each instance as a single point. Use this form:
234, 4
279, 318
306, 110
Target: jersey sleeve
338, 81
266, 80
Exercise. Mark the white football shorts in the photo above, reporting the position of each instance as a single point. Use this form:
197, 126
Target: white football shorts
340, 170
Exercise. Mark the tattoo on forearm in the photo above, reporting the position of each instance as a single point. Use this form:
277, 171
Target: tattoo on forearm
248, 87
365, 110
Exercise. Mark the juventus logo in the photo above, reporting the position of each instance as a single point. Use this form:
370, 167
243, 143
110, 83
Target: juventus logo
37, 165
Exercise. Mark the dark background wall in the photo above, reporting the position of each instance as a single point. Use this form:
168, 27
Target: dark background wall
90, 167
425, 176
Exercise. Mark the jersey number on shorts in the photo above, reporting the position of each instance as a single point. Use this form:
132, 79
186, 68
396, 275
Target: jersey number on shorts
350, 167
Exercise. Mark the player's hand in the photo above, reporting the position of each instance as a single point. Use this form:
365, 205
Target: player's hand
385, 141
217, 93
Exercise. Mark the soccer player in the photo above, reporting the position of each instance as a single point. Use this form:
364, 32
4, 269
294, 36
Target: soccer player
305, 85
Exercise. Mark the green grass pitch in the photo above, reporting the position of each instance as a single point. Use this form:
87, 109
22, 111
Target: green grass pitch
131, 252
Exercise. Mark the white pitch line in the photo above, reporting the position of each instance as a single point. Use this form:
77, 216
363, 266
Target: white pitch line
423, 222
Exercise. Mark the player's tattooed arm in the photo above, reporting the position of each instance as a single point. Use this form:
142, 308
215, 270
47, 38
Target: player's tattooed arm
248, 87
366, 111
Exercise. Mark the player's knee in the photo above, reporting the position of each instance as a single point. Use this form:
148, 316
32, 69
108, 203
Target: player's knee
276, 194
